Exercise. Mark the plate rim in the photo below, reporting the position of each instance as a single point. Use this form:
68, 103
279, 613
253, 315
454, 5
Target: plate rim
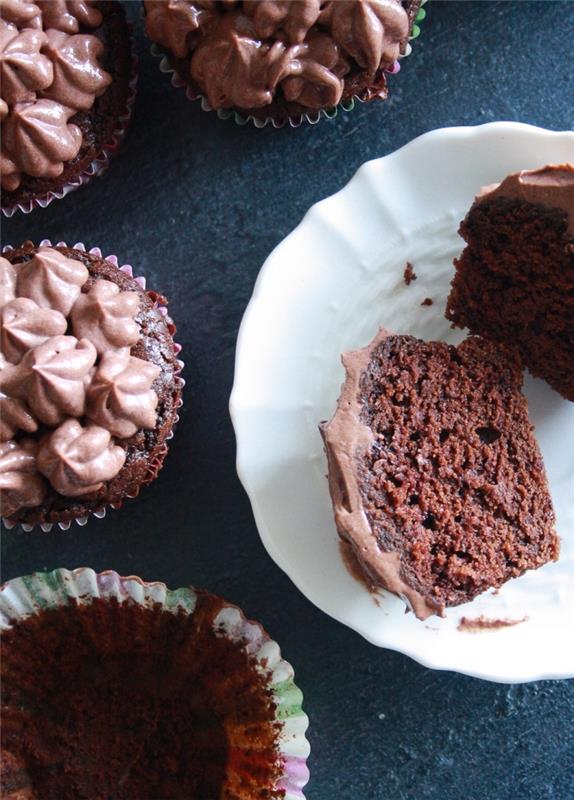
237, 407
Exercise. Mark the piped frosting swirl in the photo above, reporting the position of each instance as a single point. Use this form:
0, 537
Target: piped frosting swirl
52, 280
21, 485
120, 396
24, 326
52, 378
106, 316
77, 459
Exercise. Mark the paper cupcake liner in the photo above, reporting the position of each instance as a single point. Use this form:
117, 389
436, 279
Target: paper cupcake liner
311, 117
161, 307
26, 596
101, 162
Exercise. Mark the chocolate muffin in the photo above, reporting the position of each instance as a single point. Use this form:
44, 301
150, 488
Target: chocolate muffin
170, 695
281, 59
514, 280
67, 90
436, 478
89, 384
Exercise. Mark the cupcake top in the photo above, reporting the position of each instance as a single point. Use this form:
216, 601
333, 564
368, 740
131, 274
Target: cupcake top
75, 391
551, 186
49, 71
308, 52
140, 700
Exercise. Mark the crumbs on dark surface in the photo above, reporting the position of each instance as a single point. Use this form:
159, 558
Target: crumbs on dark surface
481, 623
409, 275
427, 301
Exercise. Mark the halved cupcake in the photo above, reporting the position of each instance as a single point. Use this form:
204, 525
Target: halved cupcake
112, 687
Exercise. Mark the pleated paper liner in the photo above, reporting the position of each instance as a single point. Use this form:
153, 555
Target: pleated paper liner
24, 597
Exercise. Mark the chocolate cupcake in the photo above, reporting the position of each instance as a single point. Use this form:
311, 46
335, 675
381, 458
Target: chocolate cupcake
281, 60
68, 85
113, 687
89, 384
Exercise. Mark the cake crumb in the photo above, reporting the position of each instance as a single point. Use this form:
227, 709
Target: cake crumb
481, 624
427, 301
409, 274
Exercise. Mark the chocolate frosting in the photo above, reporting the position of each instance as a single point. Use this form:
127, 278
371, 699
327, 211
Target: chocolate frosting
23, 69
77, 459
371, 31
48, 73
52, 378
21, 13
21, 484
242, 57
106, 316
78, 78
24, 325
14, 414
7, 282
68, 15
346, 439
48, 377
37, 139
171, 22
120, 396
52, 280
551, 186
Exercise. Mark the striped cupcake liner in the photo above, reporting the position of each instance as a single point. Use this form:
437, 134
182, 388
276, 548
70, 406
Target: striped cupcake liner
26, 596
100, 163
161, 307
311, 117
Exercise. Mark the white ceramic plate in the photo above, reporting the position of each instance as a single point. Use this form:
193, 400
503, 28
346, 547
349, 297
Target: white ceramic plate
326, 289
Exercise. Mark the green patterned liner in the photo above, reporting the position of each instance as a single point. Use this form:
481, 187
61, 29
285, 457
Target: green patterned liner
23, 597
313, 117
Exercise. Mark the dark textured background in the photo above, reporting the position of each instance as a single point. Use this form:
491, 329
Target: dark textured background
196, 204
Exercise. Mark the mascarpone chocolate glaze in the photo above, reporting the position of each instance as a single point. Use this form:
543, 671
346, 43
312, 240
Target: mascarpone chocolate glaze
66, 375
346, 439
48, 72
242, 53
551, 186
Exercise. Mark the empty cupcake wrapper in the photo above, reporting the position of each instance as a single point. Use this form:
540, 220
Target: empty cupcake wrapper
312, 117
100, 513
26, 596
100, 164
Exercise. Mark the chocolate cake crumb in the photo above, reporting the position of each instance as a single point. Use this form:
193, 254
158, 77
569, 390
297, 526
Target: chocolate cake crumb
482, 623
436, 477
409, 274
427, 301
514, 280
122, 701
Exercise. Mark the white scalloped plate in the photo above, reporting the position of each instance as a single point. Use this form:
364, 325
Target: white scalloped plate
326, 289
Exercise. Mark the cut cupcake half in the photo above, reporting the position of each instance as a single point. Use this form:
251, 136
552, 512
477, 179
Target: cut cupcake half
436, 478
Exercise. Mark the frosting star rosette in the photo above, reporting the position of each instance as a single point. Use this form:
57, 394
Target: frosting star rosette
281, 61
127, 689
90, 384
67, 87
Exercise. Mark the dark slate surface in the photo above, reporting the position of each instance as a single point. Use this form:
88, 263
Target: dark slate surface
196, 204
